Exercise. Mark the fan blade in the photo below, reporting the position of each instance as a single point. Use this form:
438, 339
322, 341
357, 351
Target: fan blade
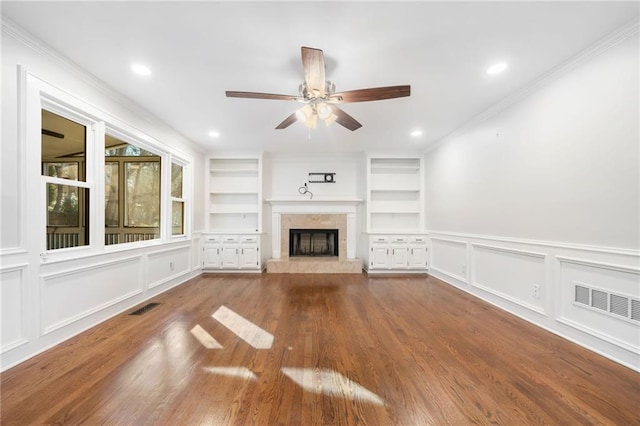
257, 95
288, 121
313, 65
344, 119
373, 94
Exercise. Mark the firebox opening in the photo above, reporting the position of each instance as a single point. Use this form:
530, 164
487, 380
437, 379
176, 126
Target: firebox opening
313, 242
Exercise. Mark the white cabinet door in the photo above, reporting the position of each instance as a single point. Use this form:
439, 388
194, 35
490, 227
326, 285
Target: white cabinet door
418, 256
211, 257
249, 257
230, 256
379, 257
399, 257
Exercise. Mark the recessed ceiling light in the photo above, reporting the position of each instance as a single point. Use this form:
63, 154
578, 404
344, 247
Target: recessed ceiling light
416, 133
140, 69
214, 134
497, 68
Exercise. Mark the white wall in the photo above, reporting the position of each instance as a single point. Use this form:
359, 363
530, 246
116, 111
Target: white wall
547, 192
287, 172
43, 303
562, 165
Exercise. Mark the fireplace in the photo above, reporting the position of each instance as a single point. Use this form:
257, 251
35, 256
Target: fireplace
314, 214
313, 242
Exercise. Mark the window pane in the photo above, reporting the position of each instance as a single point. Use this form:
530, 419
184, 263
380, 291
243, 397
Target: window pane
111, 193
115, 147
62, 140
176, 181
66, 215
61, 170
177, 218
142, 200
132, 193
63, 205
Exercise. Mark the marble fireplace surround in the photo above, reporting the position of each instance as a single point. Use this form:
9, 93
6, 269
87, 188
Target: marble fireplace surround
337, 214
313, 221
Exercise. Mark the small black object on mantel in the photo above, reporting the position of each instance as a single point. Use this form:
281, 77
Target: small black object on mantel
325, 177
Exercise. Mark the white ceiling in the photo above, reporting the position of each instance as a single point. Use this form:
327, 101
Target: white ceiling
197, 50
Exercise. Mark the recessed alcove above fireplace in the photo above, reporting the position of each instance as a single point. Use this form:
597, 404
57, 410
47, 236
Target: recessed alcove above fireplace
313, 242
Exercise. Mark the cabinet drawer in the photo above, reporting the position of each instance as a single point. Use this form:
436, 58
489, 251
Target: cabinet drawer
418, 240
249, 239
216, 239
399, 239
229, 238
379, 239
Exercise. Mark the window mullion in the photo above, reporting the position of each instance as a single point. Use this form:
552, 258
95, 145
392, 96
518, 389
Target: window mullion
96, 174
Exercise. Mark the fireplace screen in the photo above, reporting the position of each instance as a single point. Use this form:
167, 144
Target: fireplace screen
313, 242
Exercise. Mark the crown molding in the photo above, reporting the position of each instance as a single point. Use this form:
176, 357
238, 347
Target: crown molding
628, 30
11, 29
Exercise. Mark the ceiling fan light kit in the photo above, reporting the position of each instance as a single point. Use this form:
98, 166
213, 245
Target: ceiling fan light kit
319, 97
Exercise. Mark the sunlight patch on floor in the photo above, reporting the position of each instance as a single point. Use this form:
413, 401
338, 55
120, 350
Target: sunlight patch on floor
239, 372
243, 328
205, 338
329, 382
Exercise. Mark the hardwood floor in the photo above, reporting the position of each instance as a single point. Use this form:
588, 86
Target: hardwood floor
345, 349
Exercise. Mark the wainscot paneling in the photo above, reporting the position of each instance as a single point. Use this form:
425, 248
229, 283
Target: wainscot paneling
511, 274
166, 265
596, 313
196, 251
449, 257
69, 296
12, 306
602, 313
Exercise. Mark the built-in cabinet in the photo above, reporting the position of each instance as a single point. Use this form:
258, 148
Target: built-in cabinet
229, 253
234, 213
395, 214
390, 253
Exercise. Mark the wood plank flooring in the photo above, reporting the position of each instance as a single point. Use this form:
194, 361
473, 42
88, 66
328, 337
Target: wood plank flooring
346, 350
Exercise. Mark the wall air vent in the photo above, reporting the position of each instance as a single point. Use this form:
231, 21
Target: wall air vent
616, 305
619, 305
582, 295
635, 310
599, 299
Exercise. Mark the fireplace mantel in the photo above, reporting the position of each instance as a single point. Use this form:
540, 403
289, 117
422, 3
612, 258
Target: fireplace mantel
319, 205
314, 205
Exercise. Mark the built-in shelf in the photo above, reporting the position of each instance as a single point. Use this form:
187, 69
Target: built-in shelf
395, 194
235, 194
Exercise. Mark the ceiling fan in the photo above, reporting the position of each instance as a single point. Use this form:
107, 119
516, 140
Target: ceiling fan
320, 98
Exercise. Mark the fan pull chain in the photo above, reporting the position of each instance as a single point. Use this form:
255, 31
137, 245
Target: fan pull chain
309, 129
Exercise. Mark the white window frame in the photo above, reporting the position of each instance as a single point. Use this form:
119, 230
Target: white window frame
140, 141
41, 95
185, 210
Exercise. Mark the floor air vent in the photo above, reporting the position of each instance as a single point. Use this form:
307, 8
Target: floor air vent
616, 305
146, 308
